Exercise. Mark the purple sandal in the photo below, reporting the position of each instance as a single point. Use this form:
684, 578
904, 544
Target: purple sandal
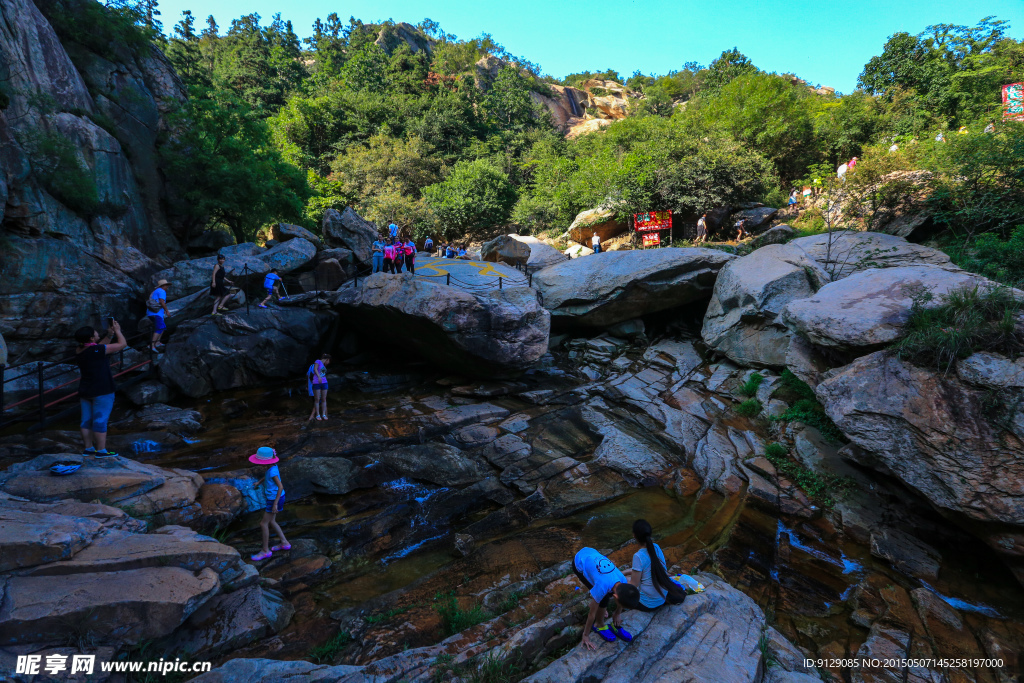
259, 557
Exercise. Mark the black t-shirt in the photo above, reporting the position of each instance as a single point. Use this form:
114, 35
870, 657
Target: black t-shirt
97, 380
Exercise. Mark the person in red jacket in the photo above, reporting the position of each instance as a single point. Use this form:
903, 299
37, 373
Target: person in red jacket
410, 255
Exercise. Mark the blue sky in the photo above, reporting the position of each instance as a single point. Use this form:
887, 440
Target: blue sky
825, 43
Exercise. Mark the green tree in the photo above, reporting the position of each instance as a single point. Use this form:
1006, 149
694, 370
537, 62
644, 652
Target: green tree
184, 52
224, 169
474, 199
730, 65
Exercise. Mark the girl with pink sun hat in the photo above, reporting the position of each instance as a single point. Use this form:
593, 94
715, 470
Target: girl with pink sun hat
274, 492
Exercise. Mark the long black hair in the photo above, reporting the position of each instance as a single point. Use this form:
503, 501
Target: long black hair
642, 532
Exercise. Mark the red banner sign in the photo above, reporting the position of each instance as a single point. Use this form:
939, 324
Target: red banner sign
652, 220
1013, 101
651, 239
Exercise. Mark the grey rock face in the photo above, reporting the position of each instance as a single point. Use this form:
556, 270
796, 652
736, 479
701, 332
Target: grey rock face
66, 264
498, 333
350, 230
235, 351
750, 293
621, 285
845, 252
870, 307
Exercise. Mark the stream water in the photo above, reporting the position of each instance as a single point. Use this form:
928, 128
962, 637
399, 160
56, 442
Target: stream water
803, 573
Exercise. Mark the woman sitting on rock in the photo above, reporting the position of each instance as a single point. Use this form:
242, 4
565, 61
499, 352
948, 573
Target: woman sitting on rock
273, 490
649, 573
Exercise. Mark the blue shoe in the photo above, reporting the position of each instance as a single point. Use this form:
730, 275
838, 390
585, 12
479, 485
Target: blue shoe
605, 632
622, 633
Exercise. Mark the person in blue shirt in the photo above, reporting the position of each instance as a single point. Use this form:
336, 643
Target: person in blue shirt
428, 245
270, 283
156, 309
604, 580
273, 491
393, 231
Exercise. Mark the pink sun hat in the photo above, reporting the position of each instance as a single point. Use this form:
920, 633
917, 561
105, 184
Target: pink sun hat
264, 455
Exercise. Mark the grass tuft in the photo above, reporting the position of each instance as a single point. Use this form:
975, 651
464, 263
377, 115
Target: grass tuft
964, 322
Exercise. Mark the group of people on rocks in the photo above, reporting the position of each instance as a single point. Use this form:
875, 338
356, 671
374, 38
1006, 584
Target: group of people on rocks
702, 229
390, 255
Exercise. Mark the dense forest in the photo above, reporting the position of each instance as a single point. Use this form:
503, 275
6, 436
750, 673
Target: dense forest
400, 122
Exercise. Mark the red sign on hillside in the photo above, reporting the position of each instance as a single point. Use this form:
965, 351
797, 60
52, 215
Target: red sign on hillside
651, 239
652, 220
1013, 101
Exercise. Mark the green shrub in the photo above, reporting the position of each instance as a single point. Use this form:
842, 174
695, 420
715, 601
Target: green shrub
966, 321
493, 669
805, 407
329, 650
751, 386
454, 619
510, 602
988, 255
58, 169
822, 488
749, 408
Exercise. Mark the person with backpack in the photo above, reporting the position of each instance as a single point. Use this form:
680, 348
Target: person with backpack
389, 257
270, 283
410, 255
428, 245
156, 310
96, 386
393, 231
702, 228
649, 573
316, 384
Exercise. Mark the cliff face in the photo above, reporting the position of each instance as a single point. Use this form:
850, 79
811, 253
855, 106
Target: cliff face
82, 196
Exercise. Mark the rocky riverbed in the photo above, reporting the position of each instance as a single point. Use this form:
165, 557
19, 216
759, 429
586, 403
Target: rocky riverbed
431, 502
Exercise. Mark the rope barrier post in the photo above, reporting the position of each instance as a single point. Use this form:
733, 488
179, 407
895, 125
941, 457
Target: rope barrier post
42, 409
2, 368
531, 278
245, 271
448, 279
499, 282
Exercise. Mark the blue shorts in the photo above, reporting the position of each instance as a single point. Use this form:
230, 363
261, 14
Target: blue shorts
158, 323
96, 412
320, 387
270, 504
270, 291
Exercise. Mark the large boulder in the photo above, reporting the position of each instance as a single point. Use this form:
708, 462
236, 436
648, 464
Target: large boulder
718, 636
505, 249
939, 436
30, 539
870, 307
600, 220
282, 232
597, 292
289, 256
233, 620
844, 252
350, 230
126, 606
742, 320
120, 481
516, 250
235, 350
500, 332
755, 218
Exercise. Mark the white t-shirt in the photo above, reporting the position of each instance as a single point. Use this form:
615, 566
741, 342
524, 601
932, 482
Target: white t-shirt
599, 571
649, 595
160, 294
596, 240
